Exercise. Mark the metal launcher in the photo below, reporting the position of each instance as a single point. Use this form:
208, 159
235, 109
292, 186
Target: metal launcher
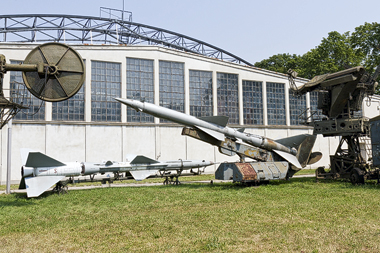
340, 98
52, 72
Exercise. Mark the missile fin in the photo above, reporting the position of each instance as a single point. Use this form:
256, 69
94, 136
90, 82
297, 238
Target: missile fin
289, 157
22, 184
241, 130
217, 120
216, 135
139, 175
37, 159
293, 141
140, 159
35, 186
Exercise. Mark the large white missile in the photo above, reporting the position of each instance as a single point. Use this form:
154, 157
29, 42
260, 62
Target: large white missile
215, 126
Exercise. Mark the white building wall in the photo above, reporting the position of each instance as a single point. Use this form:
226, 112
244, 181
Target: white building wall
96, 141
371, 106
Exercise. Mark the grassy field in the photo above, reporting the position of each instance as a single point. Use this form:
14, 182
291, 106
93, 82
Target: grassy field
299, 215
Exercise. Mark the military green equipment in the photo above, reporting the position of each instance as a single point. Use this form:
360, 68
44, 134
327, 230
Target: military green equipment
59, 74
340, 98
375, 140
52, 72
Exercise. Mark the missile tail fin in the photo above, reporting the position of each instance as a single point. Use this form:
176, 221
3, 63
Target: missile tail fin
37, 159
293, 141
289, 157
304, 143
22, 184
35, 186
139, 175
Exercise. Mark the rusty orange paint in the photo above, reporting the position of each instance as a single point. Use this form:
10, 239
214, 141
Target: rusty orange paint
247, 171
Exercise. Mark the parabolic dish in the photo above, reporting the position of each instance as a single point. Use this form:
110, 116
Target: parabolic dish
64, 72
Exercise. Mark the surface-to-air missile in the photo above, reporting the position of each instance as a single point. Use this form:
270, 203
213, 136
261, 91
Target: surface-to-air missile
40, 172
216, 127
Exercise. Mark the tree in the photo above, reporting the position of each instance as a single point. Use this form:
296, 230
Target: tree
366, 41
280, 63
333, 54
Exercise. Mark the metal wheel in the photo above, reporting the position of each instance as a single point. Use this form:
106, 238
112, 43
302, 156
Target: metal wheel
63, 190
355, 177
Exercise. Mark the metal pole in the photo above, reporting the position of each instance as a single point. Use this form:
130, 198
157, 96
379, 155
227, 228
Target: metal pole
8, 190
122, 14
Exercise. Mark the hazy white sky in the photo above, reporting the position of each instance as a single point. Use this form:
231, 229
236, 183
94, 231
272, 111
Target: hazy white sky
252, 30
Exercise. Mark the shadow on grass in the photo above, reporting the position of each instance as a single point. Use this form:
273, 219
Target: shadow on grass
23, 196
15, 199
297, 182
343, 183
301, 182
237, 186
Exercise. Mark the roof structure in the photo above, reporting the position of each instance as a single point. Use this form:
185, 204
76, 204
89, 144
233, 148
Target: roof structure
42, 28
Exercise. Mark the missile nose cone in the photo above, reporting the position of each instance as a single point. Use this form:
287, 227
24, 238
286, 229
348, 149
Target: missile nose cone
125, 101
119, 99
137, 105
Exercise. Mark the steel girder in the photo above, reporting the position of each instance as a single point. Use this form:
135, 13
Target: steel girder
91, 30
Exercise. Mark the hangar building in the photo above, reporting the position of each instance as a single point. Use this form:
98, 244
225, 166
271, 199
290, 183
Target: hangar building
130, 60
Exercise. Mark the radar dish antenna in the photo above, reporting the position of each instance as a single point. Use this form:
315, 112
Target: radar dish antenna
52, 72
62, 73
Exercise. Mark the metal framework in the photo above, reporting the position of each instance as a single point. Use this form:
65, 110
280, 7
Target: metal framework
97, 30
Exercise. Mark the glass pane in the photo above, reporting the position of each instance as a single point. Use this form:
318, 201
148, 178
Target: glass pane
253, 102
105, 85
228, 100
140, 86
200, 93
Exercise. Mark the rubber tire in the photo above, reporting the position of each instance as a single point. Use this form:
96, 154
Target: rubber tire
356, 178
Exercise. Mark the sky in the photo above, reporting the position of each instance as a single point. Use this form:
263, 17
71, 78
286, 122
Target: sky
252, 30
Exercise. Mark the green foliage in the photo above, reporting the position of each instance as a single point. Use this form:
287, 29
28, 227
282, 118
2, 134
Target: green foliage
280, 63
334, 53
366, 40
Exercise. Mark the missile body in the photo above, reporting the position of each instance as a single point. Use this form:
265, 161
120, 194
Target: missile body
92, 168
215, 127
40, 171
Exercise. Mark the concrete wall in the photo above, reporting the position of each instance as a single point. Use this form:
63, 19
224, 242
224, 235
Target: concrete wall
95, 143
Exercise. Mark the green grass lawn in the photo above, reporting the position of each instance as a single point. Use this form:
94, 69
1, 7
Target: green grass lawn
299, 215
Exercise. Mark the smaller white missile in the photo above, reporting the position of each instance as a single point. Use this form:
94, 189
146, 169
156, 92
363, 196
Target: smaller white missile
40, 172
142, 167
216, 127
